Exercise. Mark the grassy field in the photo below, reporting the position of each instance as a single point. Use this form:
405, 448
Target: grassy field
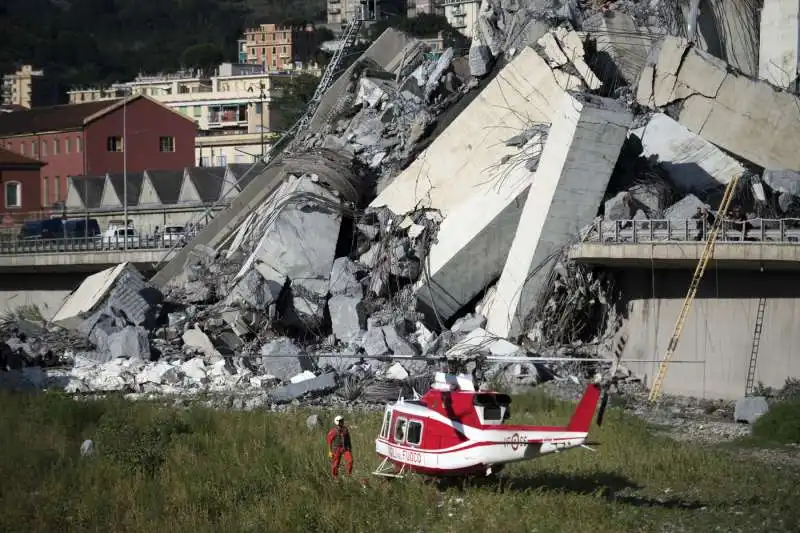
198, 470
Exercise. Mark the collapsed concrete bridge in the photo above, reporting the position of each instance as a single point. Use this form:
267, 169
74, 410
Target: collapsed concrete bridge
443, 187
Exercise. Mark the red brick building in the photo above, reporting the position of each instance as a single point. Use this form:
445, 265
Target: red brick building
88, 139
20, 185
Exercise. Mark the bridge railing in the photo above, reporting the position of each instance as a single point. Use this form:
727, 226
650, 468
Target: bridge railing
758, 230
97, 243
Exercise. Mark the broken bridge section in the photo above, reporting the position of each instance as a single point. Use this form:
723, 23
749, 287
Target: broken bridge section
575, 167
750, 118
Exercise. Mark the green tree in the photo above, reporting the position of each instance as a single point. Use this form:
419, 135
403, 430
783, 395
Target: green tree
293, 98
204, 57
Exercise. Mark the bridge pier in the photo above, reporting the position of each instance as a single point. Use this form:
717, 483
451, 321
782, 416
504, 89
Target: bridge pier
654, 271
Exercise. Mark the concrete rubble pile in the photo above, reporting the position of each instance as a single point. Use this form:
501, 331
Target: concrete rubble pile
429, 216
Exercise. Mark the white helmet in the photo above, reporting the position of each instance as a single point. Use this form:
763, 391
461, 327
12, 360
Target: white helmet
338, 419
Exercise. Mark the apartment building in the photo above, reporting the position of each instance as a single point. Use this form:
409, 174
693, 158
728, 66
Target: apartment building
231, 109
133, 135
281, 48
462, 15
28, 88
418, 7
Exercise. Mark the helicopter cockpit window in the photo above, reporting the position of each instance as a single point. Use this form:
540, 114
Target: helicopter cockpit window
414, 436
492, 408
400, 430
387, 423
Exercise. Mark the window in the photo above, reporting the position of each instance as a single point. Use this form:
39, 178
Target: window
57, 188
114, 144
400, 430
34, 148
22, 148
274, 51
45, 191
13, 194
197, 111
387, 422
166, 144
414, 436
205, 161
222, 160
77, 145
66, 145
55, 146
44, 148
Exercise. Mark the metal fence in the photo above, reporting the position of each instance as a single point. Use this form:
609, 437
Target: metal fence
759, 230
97, 243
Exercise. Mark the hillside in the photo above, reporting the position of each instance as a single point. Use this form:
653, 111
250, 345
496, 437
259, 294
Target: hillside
95, 41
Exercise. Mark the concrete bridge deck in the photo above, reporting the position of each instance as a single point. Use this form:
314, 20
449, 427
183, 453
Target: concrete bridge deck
83, 255
767, 243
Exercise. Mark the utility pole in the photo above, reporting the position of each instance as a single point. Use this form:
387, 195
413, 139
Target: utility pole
261, 97
125, 169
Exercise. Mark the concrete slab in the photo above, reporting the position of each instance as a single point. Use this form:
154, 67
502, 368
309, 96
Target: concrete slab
467, 153
474, 239
693, 163
779, 47
576, 164
750, 118
319, 384
298, 240
88, 297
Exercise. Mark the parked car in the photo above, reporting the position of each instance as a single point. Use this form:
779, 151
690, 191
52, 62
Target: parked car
116, 237
174, 235
80, 228
52, 228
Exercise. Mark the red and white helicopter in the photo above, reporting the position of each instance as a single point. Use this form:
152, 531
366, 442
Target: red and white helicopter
456, 430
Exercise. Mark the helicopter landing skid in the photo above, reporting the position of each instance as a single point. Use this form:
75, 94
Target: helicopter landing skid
387, 469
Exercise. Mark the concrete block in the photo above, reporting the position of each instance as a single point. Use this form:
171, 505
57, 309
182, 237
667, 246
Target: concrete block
785, 181
474, 239
749, 118
481, 341
131, 342
299, 239
320, 384
197, 339
779, 46
575, 167
750, 408
684, 209
283, 359
466, 154
693, 163
345, 276
347, 316
122, 288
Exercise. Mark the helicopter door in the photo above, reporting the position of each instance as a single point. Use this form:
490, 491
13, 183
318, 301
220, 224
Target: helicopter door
387, 423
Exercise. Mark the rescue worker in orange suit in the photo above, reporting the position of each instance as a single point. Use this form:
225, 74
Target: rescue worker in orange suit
339, 446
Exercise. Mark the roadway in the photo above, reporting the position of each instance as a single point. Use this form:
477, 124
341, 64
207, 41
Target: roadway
84, 254
766, 243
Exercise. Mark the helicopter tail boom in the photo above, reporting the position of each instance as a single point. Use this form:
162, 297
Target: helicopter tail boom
581, 419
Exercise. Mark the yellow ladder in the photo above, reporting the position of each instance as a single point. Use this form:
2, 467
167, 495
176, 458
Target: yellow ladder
708, 252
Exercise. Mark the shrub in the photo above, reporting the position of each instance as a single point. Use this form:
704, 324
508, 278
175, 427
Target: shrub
781, 424
139, 439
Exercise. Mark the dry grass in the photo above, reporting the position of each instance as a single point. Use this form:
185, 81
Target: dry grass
162, 470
